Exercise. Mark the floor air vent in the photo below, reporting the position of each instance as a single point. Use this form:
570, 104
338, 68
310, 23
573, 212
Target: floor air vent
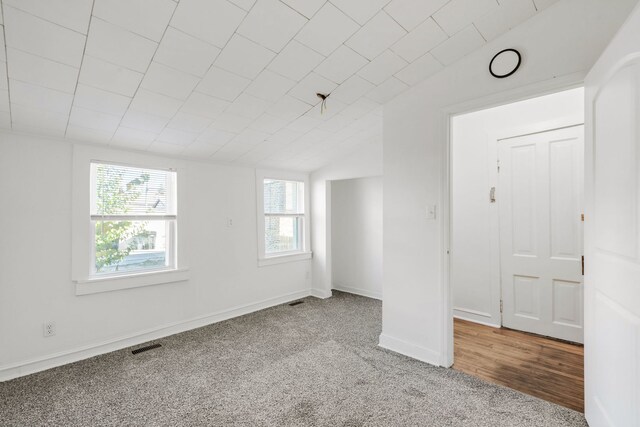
295, 303
147, 348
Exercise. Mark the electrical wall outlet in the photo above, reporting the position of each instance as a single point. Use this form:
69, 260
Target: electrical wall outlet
49, 329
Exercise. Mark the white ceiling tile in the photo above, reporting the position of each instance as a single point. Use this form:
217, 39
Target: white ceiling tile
351, 90
295, 61
288, 108
213, 21
244, 4
231, 123
421, 40
5, 120
196, 149
38, 97
543, 4
304, 124
306, 7
271, 24
90, 119
133, 137
419, 70
204, 105
332, 107
341, 64
39, 37
34, 119
148, 18
101, 100
360, 10
244, 57
383, 67
307, 88
119, 46
143, 121
154, 103
186, 53
327, 30
170, 82
359, 108
336, 123
82, 134
376, 36
3, 77
215, 136
268, 124
387, 90
507, 16
175, 136
3, 55
270, 86
224, 157
246, 139
161, 147
457, 14
248, 106
4, 101
222, 84
98, 73
458, 46
410, 13
284, 136
72, 14
189, 122
40, 71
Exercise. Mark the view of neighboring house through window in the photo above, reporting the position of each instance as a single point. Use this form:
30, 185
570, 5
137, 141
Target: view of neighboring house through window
284, 216
133, 215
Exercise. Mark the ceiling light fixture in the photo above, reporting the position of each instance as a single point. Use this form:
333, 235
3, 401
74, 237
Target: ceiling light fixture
323, 104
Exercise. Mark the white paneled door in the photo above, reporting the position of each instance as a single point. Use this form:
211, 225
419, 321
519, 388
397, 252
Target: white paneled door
541, 183
612, 233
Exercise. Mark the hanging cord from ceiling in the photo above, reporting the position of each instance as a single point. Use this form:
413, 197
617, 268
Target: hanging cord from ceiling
323, 104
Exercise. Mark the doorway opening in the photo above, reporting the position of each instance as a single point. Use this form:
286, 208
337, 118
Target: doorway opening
516, 265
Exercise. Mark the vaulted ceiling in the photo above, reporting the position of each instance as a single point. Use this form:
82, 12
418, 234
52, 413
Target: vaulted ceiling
231, 80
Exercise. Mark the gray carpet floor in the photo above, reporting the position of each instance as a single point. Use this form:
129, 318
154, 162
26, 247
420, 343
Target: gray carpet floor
314, 364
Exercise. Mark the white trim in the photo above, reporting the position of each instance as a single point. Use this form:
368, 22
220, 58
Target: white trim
96, 284
321, 293
358, 291
281, 259
538, 89
27, 367
474, 320
414, 351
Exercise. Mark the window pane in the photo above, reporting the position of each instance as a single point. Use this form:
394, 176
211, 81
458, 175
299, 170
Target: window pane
119, 190
282, 234
123, 246
282, 197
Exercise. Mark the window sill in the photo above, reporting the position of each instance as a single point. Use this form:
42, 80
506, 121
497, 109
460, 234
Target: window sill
280, 259
115, 283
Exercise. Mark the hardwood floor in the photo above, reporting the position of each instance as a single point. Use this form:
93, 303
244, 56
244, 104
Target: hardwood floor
542, 367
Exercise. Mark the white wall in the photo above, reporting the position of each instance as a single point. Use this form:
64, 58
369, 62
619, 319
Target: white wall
35, 263
356, 236
475, 265
559, 45
366, 161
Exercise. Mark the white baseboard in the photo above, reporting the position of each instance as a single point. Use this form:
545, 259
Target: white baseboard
27, 367
359, 291
321, 293
475, 319
414, 351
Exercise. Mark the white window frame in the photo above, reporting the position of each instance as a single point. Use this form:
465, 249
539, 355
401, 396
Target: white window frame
83, 234
265, 259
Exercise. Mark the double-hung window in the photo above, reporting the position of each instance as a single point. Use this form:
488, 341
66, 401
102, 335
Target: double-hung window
284, 221
133, 219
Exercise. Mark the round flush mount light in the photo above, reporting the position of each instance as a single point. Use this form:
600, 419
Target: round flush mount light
505, 63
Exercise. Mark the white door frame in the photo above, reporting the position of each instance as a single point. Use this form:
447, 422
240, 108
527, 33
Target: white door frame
533, 91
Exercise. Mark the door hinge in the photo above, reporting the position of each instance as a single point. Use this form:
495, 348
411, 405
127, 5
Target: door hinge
583, 265
582, 217
501, 306
498, 165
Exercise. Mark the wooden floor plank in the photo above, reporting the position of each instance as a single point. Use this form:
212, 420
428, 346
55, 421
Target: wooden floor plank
543, 367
